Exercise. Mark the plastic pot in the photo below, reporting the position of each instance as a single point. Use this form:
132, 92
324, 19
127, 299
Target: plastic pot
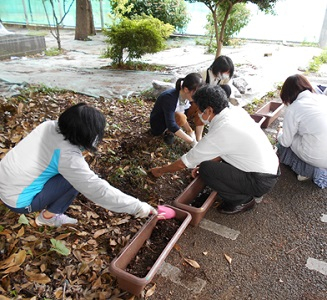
184, 200
271, 111
130, 282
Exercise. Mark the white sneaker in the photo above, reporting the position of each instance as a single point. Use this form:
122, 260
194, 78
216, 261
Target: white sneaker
302, 178
55, 221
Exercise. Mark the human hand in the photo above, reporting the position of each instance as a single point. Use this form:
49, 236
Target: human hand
145, 210
195, 172
156, 172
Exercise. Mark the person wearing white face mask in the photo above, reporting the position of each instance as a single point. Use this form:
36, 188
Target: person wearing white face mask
235, 157
220, 72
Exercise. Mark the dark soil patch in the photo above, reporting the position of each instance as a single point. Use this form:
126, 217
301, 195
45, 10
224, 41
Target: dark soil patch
153, 247
201, 197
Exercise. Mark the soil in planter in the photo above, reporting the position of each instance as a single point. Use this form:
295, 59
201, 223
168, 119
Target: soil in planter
153, 247
201, 197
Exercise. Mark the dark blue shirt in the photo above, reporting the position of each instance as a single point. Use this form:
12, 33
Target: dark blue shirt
162, 116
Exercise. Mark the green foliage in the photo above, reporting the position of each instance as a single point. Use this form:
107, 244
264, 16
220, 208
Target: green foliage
59, 247
44, 89
172, 12
136, 37
238, 18
317, 61
23, 220
309, 44
139, 66
53, 52
226, 6
252, 107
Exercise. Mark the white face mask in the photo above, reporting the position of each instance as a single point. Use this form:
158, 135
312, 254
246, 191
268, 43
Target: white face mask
223, 76
205, 122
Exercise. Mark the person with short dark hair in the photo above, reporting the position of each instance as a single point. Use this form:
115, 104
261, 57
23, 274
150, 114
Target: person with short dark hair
302, 142
220, 71
168, 114
235, 157
226, 89
46, 170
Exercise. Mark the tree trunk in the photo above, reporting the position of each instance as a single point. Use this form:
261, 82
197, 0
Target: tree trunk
84, 20
217, 34
220, 36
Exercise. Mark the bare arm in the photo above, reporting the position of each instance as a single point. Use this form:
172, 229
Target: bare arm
171, 168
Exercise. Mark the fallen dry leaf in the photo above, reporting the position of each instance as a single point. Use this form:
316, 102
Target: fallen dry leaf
228, 258
13, 260
37, 277
21, 232
192, 262
100, 232
150, 291
177, 247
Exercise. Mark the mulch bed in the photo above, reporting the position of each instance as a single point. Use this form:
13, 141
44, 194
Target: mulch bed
153, 247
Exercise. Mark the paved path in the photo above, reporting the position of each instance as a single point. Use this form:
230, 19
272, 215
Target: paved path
79, 69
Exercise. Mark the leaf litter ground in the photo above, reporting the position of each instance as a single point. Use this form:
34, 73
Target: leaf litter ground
29, 269
126, 154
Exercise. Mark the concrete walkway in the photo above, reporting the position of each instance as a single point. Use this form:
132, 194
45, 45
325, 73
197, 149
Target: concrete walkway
82, 68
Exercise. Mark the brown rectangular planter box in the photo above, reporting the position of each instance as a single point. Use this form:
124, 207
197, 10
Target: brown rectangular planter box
130, 282
271, 111
184, 200
258, 119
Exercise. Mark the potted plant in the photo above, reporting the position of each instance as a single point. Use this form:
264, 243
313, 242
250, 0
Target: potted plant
119, 267
187, 199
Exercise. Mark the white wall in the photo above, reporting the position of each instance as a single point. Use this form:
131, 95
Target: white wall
295, 20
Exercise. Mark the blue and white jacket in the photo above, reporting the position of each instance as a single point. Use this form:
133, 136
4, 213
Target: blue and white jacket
43, 154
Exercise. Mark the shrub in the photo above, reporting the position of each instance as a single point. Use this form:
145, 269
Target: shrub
135, 38
172, 12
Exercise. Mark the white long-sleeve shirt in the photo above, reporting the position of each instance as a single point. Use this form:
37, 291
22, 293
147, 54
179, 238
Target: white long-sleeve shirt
305, 128
237, 139
43, 154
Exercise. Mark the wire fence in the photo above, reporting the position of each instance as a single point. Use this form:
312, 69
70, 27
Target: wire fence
32, 12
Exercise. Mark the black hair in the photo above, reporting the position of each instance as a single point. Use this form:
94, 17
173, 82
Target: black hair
213, 96
82, 125
192, 81
221, 64
227, 89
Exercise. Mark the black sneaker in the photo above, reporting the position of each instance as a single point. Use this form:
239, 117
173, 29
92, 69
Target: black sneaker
168, 137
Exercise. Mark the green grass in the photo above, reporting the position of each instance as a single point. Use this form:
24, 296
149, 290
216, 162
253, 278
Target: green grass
317, 61
53, 52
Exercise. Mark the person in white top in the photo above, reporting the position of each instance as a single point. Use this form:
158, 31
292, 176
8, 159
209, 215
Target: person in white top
46, 170
220, 72
235, 157
303, 137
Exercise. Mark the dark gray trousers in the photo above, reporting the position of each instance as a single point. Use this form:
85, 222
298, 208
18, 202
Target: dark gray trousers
233, 185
